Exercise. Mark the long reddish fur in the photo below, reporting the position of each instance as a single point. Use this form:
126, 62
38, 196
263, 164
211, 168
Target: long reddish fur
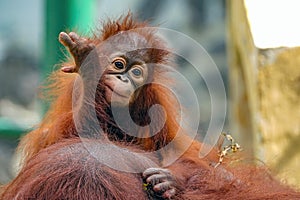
46, 149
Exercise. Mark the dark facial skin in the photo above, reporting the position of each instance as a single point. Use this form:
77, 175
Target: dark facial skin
123, 76
125, 73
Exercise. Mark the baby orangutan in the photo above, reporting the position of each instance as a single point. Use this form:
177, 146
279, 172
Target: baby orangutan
106, 96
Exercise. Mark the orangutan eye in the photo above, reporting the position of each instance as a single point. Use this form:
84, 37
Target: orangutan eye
119, 64
137, 72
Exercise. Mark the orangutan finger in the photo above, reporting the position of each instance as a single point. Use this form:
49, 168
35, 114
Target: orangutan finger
157, 178
68, 69
162, 187
66, 40
169, 193
150, 171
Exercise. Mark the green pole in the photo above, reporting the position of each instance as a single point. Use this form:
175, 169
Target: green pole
56, 20
63, 15
82, 15
59, 15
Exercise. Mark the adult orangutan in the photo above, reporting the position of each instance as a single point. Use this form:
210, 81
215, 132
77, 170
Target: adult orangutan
68, 170
113, 74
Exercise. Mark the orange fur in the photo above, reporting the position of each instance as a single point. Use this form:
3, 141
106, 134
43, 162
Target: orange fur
196, 178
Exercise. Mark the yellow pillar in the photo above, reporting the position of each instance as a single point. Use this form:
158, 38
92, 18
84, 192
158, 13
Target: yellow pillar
265, 83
